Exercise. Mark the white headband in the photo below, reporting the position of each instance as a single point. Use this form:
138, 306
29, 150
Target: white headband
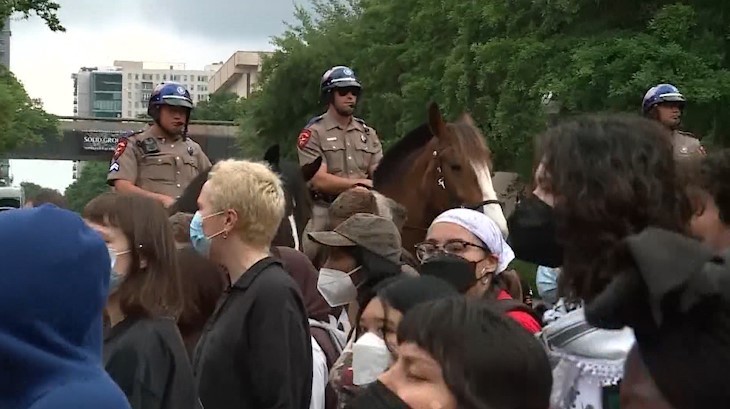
485, 229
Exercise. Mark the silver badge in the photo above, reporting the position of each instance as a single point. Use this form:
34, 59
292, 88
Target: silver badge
347, 71
363, 138
181, 90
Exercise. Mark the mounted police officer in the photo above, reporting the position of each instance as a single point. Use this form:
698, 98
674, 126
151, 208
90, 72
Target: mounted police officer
664, 103
161, 160
350, 150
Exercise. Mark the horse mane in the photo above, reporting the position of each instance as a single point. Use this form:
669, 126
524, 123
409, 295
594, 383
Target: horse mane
394, 161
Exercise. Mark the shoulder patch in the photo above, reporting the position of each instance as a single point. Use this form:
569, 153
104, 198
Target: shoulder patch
114, 167
304, 138
314, 120
121, 147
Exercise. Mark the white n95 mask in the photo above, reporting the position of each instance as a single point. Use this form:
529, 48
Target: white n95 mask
336, 286
370, 358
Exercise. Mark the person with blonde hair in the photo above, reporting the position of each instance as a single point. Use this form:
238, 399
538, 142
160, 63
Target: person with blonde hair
255, 351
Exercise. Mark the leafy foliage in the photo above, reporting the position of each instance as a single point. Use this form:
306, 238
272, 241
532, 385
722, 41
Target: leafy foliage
496, 59
45, 9
91, 183
22, 119
221, 106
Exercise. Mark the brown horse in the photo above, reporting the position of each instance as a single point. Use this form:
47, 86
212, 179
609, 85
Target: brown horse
436, 167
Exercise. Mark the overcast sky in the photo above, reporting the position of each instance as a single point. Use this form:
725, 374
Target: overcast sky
193, 32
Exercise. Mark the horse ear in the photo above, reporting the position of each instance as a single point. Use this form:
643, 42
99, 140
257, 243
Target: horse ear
467, 119
310, 169
272, 156
435, 121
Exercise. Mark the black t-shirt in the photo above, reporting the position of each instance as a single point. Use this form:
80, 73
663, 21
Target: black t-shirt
146, 357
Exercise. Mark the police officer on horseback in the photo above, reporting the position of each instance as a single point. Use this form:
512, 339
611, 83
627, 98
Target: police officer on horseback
349, 148
160, 161
664, 103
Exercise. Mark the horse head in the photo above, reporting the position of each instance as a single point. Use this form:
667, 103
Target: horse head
447, 165
463, 167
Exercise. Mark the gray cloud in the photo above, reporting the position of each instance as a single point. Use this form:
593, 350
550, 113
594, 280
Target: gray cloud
227, 20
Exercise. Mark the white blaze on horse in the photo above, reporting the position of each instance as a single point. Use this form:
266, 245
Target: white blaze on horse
436, 167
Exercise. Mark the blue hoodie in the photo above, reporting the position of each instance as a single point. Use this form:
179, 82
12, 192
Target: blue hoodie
54, 278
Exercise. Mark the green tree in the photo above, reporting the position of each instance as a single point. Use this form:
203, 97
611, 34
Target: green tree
496, 59
45, 9
221, 106
91, 183
22, 119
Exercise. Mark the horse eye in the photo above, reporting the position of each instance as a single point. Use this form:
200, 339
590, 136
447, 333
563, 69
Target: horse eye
455, 167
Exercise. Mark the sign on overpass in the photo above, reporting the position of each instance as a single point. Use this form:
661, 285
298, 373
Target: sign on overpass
89, 139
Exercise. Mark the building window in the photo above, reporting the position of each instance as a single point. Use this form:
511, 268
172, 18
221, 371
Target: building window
185, 78
164, 77
147, 77
136, 85
202, 78
136, 104
146, 96
129, 76
136, 76
129, 114
129, 94
158, 77
147, 86
248, 84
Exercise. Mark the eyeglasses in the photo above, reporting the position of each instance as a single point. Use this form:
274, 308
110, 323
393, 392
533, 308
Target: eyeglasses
456, 247
349, 90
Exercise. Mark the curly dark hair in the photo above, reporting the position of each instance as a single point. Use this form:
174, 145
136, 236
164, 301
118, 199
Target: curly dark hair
611, 176
713, 177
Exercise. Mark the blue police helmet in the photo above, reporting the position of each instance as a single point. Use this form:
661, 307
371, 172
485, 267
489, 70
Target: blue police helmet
661, 93
169, 93
338, 77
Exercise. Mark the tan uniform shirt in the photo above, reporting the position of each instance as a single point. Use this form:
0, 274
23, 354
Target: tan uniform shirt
351, 152
166, 172
686, 145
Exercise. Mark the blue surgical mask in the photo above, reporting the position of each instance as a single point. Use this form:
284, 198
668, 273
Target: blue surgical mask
201, 242
114, 277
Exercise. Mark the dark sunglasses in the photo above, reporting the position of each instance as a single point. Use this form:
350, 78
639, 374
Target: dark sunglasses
350, 90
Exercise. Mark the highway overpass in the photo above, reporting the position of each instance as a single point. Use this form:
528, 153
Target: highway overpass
89, 139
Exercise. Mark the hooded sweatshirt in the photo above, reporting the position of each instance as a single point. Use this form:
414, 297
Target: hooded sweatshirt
53, 287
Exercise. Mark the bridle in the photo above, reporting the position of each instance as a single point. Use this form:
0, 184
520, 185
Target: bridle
453, 200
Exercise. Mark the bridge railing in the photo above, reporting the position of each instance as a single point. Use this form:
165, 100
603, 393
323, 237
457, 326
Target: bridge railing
138, 120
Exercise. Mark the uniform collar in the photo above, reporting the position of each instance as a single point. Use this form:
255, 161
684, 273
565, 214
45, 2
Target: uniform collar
330, 123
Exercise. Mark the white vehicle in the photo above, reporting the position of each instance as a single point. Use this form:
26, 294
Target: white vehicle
11, 197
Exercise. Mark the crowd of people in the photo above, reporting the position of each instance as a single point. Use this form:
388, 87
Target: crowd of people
123, 306
126, 306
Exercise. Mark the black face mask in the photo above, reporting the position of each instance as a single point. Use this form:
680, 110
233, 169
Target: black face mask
532, 233
455, 270
377, 396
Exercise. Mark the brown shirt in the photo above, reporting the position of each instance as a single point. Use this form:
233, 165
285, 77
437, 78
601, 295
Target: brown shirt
166, 172
686, 145
351, 152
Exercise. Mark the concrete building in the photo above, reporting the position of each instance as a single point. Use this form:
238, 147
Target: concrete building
5, 178
140, 78
239, 74
5, 43
98, 92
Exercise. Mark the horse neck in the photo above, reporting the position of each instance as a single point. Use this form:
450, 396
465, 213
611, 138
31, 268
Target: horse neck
411, 196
